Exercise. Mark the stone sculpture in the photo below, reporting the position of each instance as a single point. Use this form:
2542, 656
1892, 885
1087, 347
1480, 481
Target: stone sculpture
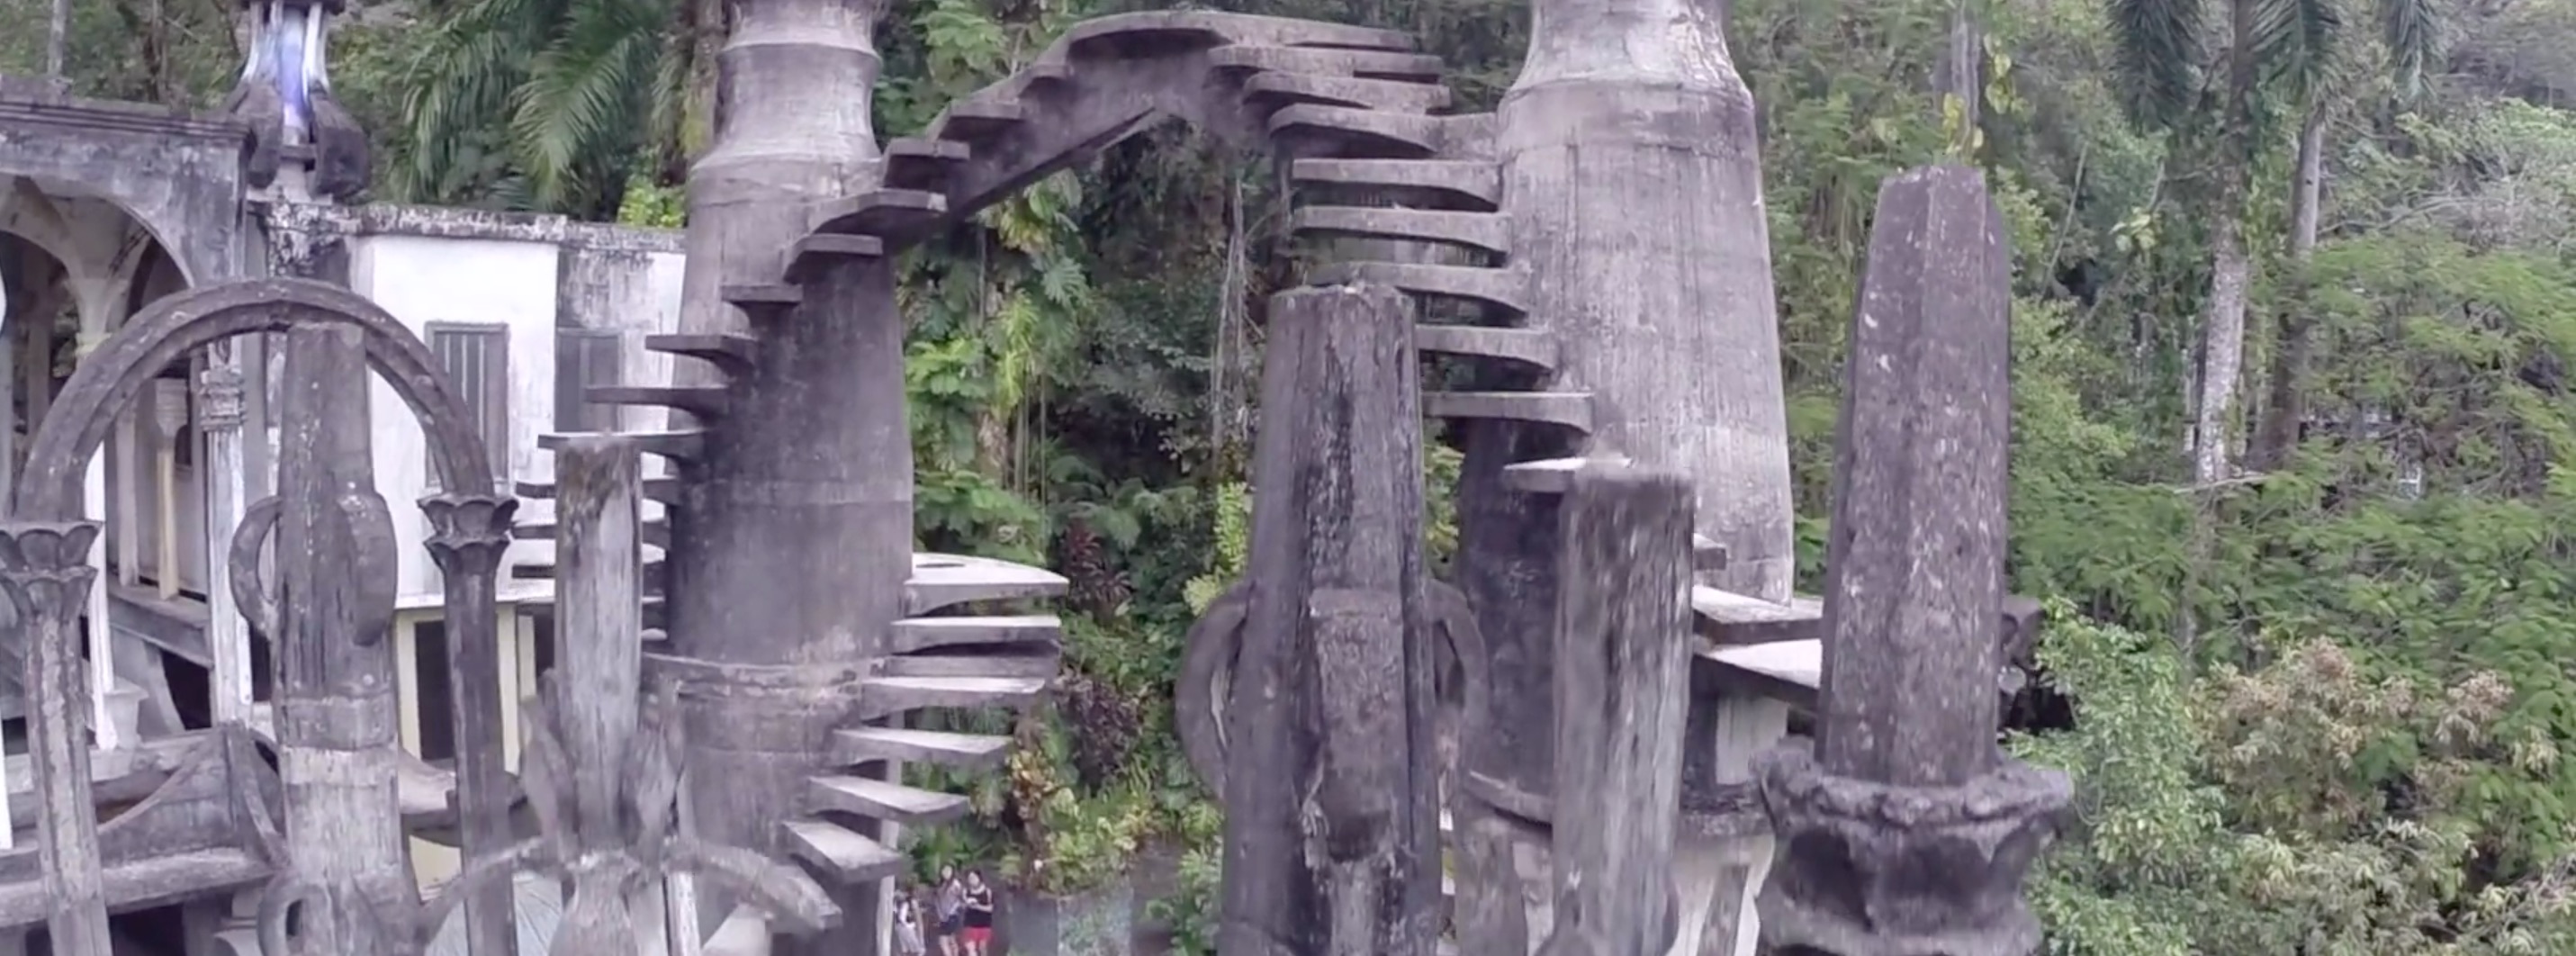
1906, 830
1624, 525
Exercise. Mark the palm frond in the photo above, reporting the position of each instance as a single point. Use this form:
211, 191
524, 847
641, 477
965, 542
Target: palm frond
2413, 30
587, 95
460, 82
2295, 43
2160, 48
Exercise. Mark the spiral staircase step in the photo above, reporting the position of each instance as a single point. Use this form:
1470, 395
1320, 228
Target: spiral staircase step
940, 580
852, 857
811, 255
1534, 347
1371, 64
733, 354
704, 401
923, 633
883, 800
857, 745
1469, 183
1288, 89
887, 696
1487, 231
679, 444
1038, 665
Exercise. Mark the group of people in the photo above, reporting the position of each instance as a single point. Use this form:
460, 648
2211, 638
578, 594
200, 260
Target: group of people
963, 910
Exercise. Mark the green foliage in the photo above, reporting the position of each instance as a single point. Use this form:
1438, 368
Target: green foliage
2263, 811
2360, 752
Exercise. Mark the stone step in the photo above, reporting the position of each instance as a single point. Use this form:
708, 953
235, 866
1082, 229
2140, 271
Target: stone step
940, 580
811, 255
1487, 231
1570, 409
915, 162
856, 745
1388, 135
1469, 184
878, 212
679, 444
852, 857
888, 696
1728, 618
664, 490
883, 800
1371, 64
922, 633
1498, 288
1288, 89
1526, 346
763, 302
704, 401
977, 118
1042, 665
732, 353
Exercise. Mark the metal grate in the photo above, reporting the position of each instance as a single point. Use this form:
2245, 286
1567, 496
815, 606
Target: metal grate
477, 361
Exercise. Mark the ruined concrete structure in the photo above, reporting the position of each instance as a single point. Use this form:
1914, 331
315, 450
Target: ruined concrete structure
734, 629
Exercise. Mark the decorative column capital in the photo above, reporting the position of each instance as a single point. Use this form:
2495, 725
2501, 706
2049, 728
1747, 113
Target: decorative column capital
468, 532
1872, 869
219, 398
45, 568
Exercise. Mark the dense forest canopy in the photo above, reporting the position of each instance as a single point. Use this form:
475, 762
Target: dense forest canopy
2295, 308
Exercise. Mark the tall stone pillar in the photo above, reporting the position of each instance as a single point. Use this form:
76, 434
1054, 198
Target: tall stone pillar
1907, 831
1667, 321
792, 545
219, 422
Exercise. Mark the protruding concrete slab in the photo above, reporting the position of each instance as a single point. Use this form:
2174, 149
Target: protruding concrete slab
881, 800
923, 633
852, 857
940, 580
855, 745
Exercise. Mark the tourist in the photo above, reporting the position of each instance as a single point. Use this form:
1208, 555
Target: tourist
907, 925
979, 914
950, 904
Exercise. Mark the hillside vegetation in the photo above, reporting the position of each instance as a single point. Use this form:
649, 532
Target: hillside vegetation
2308, 608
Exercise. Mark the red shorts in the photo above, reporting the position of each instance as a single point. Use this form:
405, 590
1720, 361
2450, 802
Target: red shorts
978, 935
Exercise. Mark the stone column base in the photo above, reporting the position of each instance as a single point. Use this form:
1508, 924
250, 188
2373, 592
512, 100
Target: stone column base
1869, 869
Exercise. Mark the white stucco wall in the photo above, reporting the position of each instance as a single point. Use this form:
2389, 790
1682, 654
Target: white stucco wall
424, 280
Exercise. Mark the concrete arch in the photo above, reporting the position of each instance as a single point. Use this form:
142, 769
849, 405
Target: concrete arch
1113, 77
178, 175
128, 361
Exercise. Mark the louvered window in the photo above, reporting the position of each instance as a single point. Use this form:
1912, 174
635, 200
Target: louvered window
584, 358
477, 361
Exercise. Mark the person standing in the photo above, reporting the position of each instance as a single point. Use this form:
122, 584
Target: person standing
979, 914
950, 905
907, 924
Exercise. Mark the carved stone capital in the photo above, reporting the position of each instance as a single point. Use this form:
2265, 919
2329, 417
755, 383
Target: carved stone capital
219, 398
467, 533
1868, 869
45, 568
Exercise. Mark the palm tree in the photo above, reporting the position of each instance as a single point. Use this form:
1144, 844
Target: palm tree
2220, 93
551, 105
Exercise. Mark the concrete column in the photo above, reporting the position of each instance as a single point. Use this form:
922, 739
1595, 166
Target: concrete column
219, 422
102, 637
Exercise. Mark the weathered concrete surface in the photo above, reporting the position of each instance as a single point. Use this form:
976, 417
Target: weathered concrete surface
1335, 670
178, 174
1907, 830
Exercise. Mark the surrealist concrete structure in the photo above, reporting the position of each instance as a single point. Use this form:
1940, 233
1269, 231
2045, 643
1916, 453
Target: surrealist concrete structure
649, 686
